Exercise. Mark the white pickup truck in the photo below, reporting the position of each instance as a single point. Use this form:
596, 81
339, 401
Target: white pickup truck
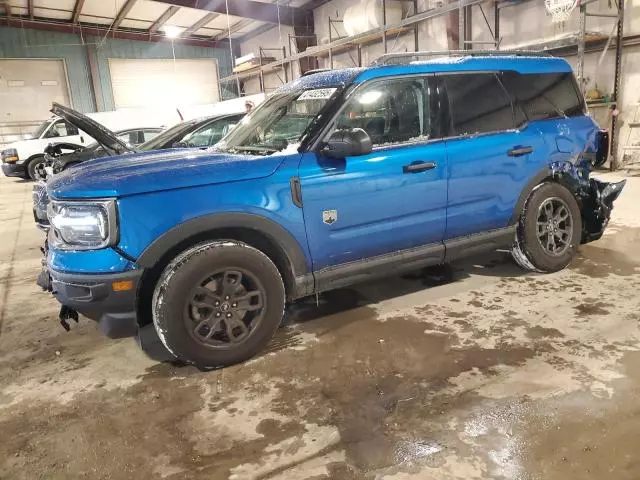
20, 159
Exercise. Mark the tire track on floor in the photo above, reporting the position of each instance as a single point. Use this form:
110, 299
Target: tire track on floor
6, 281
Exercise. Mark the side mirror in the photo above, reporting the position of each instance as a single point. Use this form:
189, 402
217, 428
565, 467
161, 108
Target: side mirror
347, 143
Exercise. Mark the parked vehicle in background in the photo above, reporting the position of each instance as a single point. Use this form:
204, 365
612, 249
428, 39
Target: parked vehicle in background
24, 157
62, 155
197, 133
337, 178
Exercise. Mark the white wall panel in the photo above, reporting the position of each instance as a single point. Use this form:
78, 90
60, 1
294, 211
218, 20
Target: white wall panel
153, 82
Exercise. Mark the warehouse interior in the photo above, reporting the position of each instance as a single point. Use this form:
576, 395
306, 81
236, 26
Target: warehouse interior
470, 369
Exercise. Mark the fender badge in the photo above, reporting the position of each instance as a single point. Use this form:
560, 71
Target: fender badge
330, 216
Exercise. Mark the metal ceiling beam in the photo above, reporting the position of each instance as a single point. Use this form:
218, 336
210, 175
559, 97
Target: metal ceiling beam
200, 23
258, 31
162, 19
77, 10
265, 12
23, 21
235, 28
122, 14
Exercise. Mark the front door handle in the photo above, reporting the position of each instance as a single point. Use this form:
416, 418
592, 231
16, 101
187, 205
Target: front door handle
519, 151
416, 167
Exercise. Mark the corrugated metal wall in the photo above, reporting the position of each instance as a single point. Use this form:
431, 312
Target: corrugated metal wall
24, 43
18, 43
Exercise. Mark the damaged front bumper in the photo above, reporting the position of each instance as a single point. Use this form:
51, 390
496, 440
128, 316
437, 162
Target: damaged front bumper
597, 203
96, 297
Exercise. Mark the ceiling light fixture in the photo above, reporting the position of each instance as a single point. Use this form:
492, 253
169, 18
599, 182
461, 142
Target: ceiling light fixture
172, 31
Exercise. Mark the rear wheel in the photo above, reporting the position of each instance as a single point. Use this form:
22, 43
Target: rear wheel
35, 168
549, 231
218, 303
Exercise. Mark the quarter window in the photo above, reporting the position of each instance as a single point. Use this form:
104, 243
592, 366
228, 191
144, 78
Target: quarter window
478, 104
545, 95
390, 111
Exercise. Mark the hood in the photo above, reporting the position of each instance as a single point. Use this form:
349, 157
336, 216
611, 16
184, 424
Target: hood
99, 132
159, 170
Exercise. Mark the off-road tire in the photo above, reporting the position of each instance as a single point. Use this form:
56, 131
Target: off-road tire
527, 250
31, 167
173, 291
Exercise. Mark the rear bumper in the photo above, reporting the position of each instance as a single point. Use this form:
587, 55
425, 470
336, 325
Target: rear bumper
94, 297
597, 206
13, 170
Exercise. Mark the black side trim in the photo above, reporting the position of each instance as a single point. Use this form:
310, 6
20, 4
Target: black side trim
461, 247
381, 265
526, 191
296, 192
274, 232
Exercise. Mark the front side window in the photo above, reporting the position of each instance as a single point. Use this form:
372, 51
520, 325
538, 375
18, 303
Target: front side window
148, 135
545, 95
478, 103
392, 111
41, 129
61, 129
130, 138
281, 121
209, 134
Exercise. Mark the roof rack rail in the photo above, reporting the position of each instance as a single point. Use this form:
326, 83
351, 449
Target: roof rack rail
408, 57
315, 70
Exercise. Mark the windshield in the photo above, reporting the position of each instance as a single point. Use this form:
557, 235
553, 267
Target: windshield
279, 122
172, 135
41, 129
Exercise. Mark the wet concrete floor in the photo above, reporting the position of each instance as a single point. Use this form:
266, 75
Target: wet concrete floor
473, 372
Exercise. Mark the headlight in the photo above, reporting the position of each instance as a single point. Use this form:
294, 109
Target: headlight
10, 155
82, 225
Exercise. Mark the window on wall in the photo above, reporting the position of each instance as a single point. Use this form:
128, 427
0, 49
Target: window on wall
545, 95
390, 111
478, 104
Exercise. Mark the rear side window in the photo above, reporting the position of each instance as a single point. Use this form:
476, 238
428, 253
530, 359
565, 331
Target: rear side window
478, 104
545, 95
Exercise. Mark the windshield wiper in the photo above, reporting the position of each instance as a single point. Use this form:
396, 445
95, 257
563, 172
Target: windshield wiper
254, 148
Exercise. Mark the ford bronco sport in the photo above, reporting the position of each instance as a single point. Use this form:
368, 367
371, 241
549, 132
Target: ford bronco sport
338, 177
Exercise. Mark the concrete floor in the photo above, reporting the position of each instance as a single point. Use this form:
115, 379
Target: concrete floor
493, 373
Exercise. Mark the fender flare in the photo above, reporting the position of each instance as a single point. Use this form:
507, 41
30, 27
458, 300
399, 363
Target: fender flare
537, 179
199, 225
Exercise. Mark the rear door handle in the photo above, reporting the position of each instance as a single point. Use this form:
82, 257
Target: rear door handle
416, 167
519, 151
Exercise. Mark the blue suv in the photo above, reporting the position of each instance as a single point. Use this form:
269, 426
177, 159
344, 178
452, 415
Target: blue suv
337, 178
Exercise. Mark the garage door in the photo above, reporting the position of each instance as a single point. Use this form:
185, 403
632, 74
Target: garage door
27, 88
142, 83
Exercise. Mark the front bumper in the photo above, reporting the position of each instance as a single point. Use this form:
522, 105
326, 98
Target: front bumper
13, 170
93, 296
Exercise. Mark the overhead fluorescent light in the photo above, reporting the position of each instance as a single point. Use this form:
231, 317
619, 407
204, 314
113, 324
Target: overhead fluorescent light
172, 31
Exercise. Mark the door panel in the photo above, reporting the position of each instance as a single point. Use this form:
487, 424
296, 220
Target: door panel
490, 161
378, 208
485, 181
391, 199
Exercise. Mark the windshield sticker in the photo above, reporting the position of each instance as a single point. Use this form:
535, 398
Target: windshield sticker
317, 94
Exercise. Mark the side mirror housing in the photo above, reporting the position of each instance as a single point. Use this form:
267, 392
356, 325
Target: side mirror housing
347, 143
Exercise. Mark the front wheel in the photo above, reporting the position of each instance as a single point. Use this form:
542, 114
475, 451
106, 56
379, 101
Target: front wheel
35, 169
218, 303
550, 229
